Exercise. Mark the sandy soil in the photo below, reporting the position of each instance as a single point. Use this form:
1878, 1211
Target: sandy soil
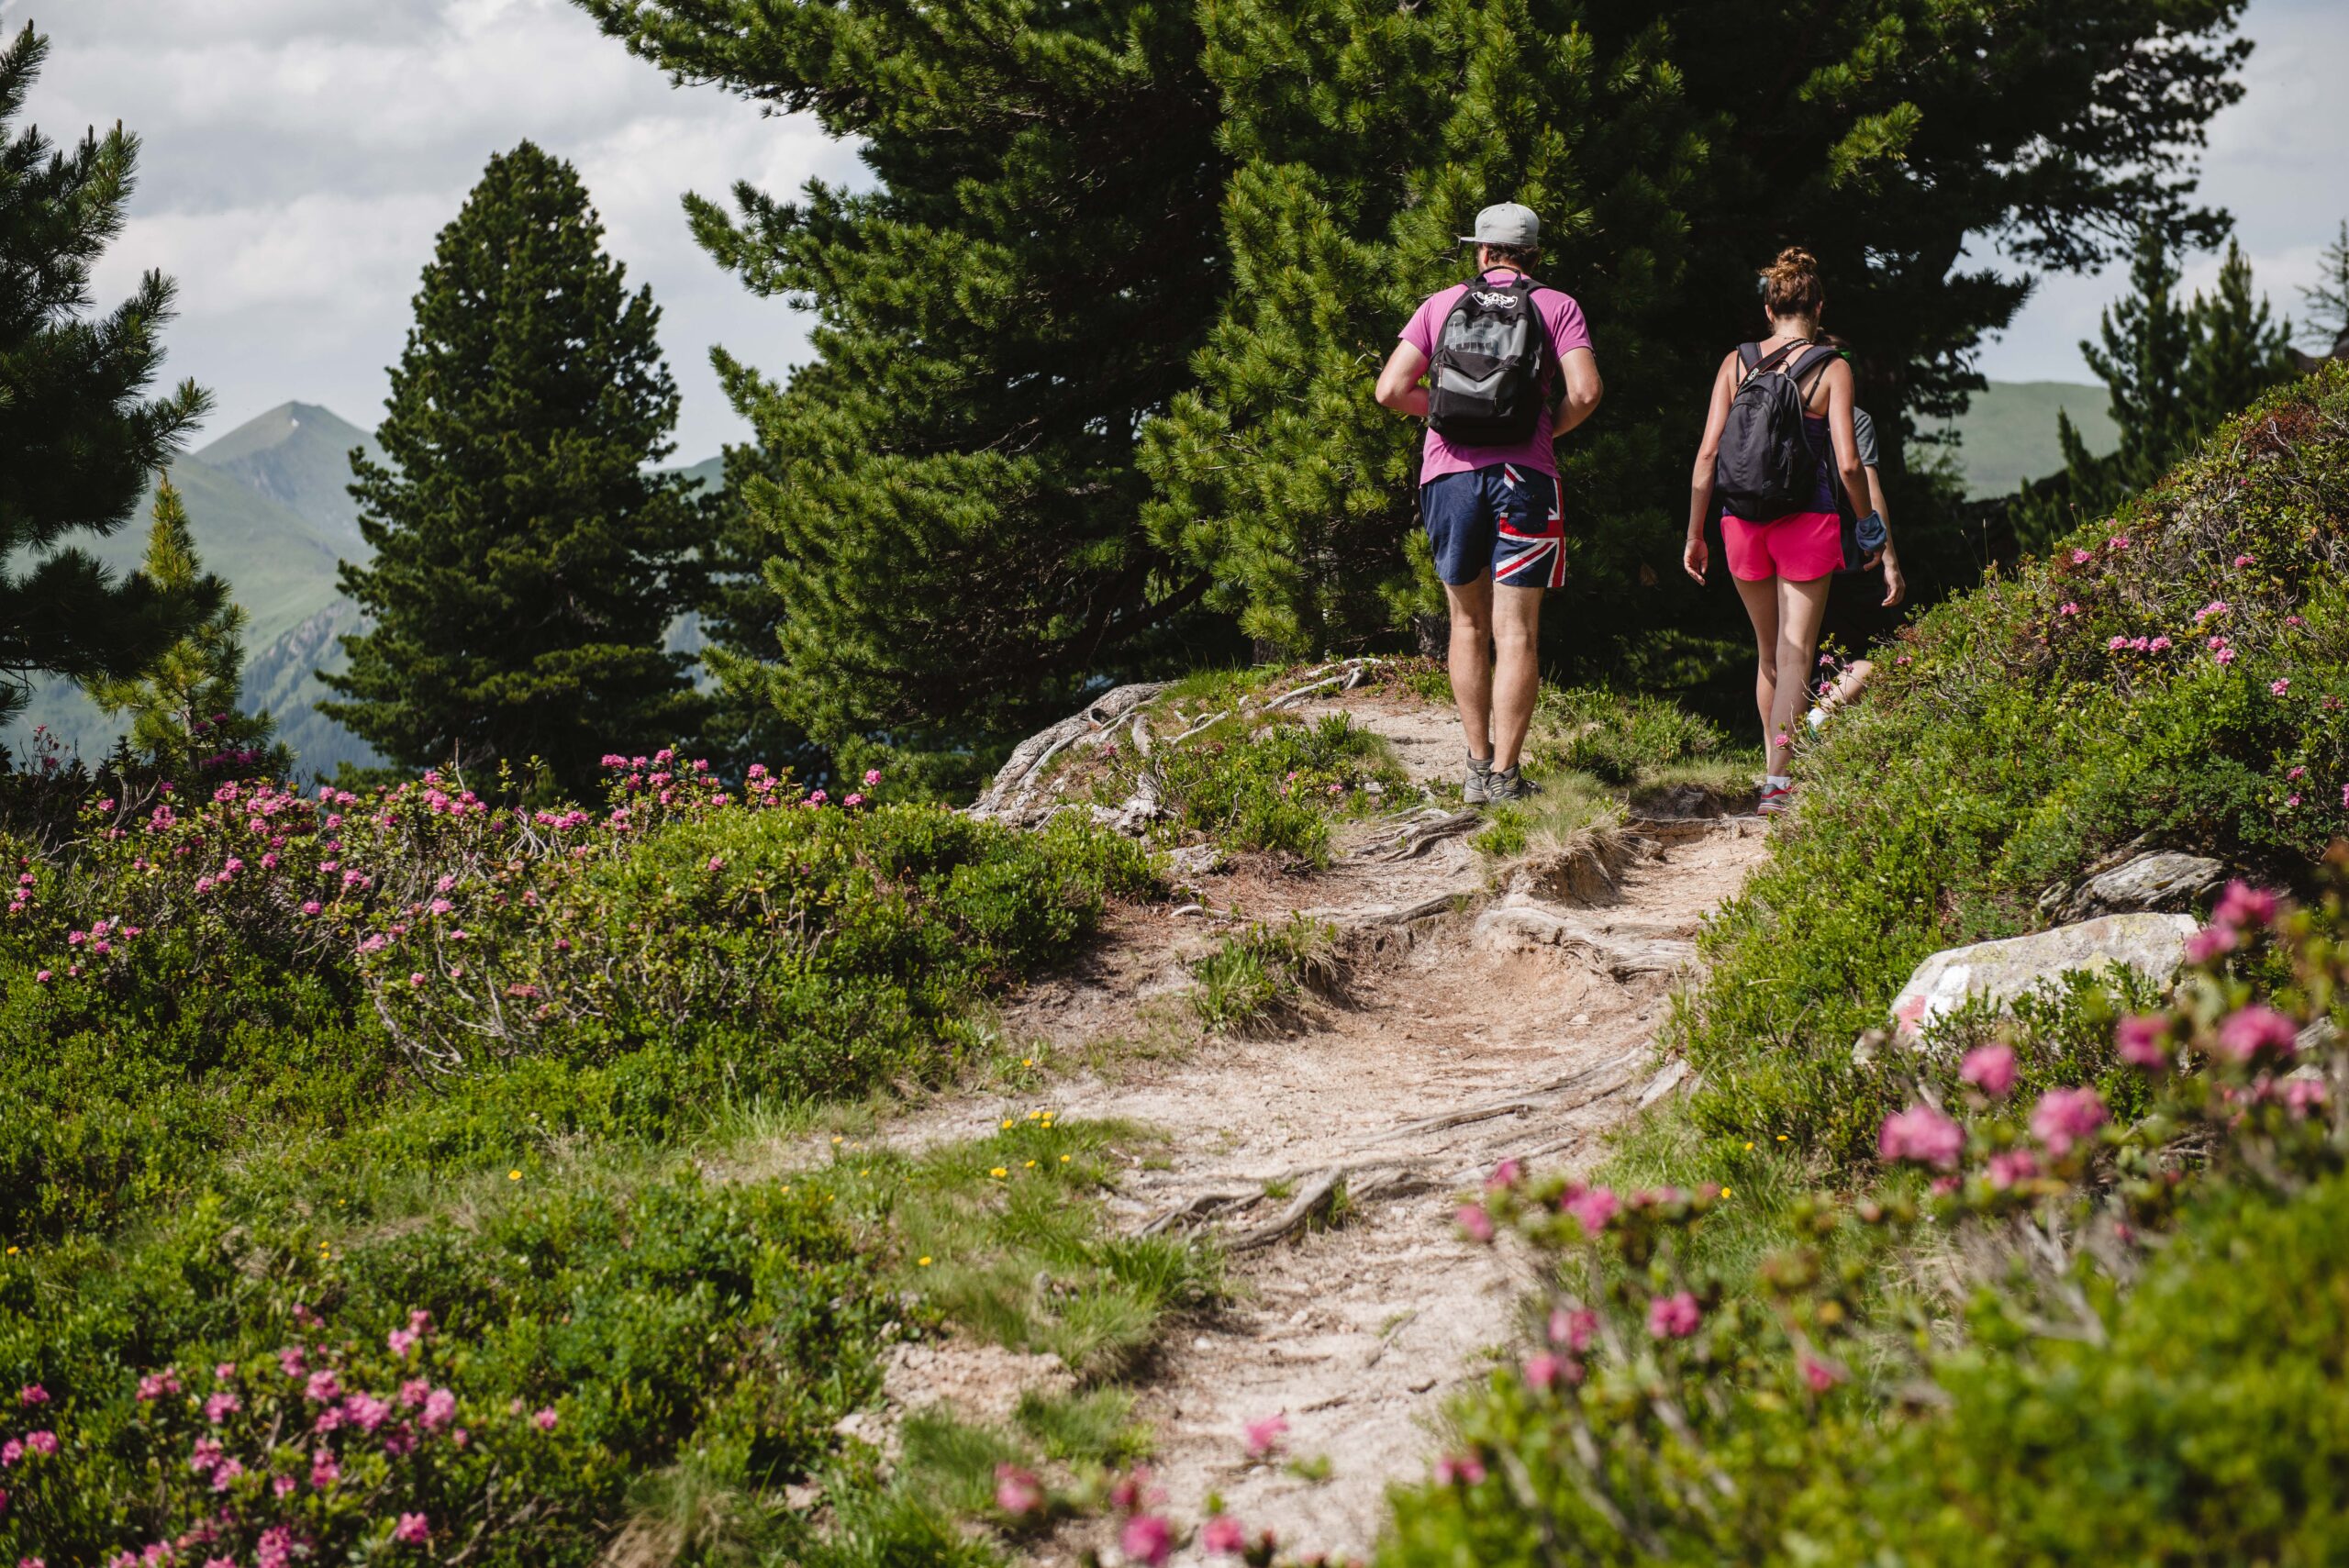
1473, 1023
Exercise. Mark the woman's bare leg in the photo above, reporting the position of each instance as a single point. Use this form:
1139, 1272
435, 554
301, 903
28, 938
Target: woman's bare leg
1761, 608
1802, 607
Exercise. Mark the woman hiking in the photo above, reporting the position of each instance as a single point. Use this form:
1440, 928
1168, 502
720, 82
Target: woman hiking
1784, 406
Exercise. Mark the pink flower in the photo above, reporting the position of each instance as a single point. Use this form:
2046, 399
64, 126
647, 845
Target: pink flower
400, 1342
1459, 1470
414, 1391
415, 977
1593, 1210
2279, 685
1264, 1434
544, 1421
855, 800
2158, 645
205, 1456
2068, 608
1818, 1375
2257, 1030
1223, 1536
2224, 656
1472, 1219
289, 1360
1672, 1317
224, 1474
1147, 1538
2011, 1165
2242, 560
220, 1407
366, 1412
2081, 558
156, 1385
1504, 1175
325, 1469
413, 1530
2296, 773
2142, 1041
10, 1452
872, 778
324, 1387
2116, 645
1544, 1371
2302, 1096
1923, 1135
2063, 1117
276, 1548
42, 976
2215, 608
439, 1409
2218, 937
1573, 1330
1990, 1068
1017, 1492
32, 1394
717, 863
2243, 904
41, 1442
2117, 542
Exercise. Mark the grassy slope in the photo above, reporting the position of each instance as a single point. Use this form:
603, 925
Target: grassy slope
2009, 432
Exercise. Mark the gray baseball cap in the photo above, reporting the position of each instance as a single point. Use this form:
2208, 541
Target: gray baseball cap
1507, 224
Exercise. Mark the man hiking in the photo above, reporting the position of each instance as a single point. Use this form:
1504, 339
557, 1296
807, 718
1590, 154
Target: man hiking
1508, 370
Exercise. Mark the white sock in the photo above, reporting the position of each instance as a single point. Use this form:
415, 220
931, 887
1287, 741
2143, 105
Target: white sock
1776, 781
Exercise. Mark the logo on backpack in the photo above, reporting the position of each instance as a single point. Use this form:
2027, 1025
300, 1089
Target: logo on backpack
1484, 380
1766, 468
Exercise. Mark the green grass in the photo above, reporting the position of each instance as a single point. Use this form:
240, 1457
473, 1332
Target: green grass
1258, 976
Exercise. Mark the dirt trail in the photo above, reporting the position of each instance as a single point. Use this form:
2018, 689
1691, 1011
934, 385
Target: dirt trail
1472, 1024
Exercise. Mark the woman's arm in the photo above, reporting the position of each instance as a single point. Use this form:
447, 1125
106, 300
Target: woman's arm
1695, 555
1837, 383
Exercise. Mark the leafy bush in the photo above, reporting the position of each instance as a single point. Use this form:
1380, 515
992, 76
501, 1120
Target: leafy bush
2071, 1335
187, 975
1252, 977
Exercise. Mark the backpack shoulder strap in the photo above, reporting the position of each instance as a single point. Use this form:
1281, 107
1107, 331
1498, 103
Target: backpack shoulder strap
1817, 357
1750, 356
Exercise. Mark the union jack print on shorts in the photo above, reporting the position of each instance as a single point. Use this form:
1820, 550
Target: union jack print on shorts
1530, 554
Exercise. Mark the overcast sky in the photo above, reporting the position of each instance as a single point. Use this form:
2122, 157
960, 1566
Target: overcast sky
301, 155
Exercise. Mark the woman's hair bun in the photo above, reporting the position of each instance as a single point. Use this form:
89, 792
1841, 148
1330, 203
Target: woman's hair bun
1790, 285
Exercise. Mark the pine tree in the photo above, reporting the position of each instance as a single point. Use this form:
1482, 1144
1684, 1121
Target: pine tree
2328, 298
949, 532
2238, 352
1668, 157
528, 560
77, 437
186, 721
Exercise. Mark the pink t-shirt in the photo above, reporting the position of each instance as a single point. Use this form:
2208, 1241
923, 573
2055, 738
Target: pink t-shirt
1567, 333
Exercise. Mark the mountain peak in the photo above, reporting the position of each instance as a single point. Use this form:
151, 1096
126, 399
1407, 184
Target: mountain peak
305, 422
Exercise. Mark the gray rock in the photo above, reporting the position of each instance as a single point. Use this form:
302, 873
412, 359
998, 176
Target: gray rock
2164, 880
2152, 945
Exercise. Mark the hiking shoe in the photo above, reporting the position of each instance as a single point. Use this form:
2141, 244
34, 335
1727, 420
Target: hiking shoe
1508, 784
1778, 801
1477, 787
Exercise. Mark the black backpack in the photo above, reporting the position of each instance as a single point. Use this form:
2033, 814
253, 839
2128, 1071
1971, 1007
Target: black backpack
1766, 468
1485, 382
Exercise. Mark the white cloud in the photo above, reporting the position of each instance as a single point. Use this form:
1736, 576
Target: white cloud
2275, 161
300, 155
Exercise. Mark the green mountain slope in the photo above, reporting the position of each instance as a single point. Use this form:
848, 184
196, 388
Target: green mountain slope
2007, 436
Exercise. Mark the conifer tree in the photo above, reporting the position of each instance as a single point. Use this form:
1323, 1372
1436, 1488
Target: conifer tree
2327, 299
949, 534
1668, 154
2238, 353
185, 717
528, 560
77, 436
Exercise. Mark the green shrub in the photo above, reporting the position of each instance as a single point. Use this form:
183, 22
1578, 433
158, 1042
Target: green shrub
1252, 977
2094, 1336
1275, 789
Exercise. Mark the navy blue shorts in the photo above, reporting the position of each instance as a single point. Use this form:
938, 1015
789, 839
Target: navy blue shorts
1504, 520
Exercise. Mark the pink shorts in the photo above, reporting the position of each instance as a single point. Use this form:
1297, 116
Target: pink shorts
1799, 547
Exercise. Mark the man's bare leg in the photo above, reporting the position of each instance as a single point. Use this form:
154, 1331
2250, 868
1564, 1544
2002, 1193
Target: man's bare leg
1471, 661
1517, 674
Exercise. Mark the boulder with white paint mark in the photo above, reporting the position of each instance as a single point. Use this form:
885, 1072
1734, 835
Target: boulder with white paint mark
2152, 945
